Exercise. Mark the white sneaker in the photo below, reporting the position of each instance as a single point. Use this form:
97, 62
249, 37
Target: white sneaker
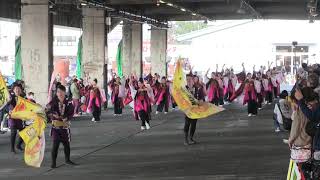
277, 130
114, 114
285, 141
259, 108
147, 126
250, 115
143, 128
165, 112
93, 120
157, 112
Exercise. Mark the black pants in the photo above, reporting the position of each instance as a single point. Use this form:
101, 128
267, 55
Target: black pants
174, 105
260, 100
227, 96
275, 92
117, 106
55, 148
144, 118
14, 133
164, 105
221, 101
215, 101
190, 123
269, 97
96, 112
252, 107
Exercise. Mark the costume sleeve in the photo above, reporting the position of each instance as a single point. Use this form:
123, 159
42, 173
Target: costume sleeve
69, 111
306, 111
49, 111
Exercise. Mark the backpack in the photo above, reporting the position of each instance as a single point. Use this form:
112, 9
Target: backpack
286, 121
311, 128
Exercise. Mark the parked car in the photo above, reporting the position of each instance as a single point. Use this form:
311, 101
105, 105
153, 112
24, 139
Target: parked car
9, 80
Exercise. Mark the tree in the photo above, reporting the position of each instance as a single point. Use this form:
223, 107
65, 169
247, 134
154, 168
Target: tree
183, 27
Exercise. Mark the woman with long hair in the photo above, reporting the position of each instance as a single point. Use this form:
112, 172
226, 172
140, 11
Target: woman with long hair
142, 105
95, 103
116, 100
250, 96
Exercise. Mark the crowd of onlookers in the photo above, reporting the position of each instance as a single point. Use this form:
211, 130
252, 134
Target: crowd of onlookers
298, 112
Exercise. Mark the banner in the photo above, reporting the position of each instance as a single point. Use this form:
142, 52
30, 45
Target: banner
79, 59
33, 135
193, 108
17, 64
119, 59
4, 93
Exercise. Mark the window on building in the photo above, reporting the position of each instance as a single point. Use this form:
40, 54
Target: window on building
65, 41
283, 49
302, 49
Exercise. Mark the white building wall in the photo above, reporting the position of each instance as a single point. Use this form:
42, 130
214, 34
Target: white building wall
251, 43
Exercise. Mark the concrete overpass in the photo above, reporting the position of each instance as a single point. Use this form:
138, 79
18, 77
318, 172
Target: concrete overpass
98, 17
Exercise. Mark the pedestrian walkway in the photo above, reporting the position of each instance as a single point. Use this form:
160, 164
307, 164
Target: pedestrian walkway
231, 146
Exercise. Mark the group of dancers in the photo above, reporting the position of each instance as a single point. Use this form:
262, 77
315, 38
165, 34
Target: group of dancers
254, 89
221, 88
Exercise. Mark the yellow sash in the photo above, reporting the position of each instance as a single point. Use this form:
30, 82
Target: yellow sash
56, 123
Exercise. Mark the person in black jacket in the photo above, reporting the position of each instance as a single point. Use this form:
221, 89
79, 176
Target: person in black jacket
15, 124
60, 112
312, 112
197, 90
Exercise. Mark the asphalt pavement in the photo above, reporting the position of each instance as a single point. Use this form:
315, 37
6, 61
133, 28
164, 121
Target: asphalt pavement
230, 146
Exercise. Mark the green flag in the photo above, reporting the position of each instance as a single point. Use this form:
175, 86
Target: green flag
79, 59
119, 59
17, 65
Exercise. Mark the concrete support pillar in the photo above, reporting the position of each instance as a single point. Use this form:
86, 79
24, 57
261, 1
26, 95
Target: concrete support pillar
35, 45
158, 51
93, 43
132, 48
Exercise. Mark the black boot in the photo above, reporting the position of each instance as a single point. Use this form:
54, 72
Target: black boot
53, 165
69, 162
192, 141
13, 140
186, 140
54, 154
19, 145
67, 154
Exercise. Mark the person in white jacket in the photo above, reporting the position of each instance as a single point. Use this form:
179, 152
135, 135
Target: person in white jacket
282, 113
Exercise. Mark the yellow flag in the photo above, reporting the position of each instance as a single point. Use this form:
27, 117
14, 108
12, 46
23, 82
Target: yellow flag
34, 151
4, 93
32, 135
34, 139
26, 110
180, 93
34, 130
186, 101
